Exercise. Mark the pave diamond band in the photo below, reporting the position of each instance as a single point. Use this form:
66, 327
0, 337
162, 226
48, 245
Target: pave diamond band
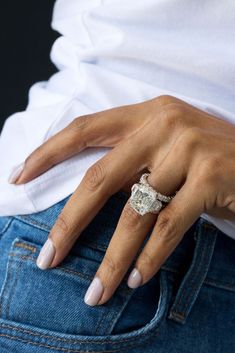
161, 197
145, 199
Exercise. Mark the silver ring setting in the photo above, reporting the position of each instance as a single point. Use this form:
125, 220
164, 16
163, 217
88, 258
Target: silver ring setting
145, 199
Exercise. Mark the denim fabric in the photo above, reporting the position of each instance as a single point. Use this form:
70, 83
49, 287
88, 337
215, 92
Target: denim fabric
188, 306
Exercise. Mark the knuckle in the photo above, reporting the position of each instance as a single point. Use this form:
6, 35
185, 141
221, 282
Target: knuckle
130, 218
29, 162
36, 156
213, 163
147, 261
176, 109
95, 176
64, 231
111, 268
40, 157
190, 138
164, 99
211, 170
173, 115
62, 224
80, 123
167, 99
168, 228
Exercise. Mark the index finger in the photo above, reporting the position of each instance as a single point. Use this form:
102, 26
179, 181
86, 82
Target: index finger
102, 129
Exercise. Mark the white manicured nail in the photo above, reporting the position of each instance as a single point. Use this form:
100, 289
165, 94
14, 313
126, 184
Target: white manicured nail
94, 292
135, 279
46, 255
15, 173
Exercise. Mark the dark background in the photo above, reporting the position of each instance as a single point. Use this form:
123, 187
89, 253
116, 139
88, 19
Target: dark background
26, 39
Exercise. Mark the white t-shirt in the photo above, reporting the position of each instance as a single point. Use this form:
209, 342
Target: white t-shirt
111, 53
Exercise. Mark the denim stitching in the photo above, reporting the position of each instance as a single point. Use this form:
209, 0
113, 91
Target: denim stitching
25, 246
6, 281
64, 269
209, 280
45, 228
112, 314
183, 290
220, 285
23, 257
32, 222
13, 289
46, 345
27, 257
64, 349
155, 332
6, 227
197, 277
190, 295
80, 274
123, 307
194, 279
103, 316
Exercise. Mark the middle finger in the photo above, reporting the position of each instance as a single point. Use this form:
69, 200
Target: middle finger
132, 229
103, 179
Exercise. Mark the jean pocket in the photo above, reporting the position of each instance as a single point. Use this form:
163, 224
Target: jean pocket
51, 301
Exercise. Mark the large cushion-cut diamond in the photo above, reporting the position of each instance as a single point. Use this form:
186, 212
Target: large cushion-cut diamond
143, 199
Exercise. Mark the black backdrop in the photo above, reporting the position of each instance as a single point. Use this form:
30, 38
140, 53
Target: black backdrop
25, 42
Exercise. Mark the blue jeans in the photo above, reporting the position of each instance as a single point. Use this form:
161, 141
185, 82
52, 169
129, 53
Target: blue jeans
188, 306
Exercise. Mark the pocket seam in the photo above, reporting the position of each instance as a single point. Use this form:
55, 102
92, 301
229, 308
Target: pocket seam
12, 291
8, 277
80, 341
20, 243
6, 226
69, 350
59, 268
30, 221
117, 340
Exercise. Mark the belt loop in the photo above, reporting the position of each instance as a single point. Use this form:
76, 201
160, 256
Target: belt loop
190, 286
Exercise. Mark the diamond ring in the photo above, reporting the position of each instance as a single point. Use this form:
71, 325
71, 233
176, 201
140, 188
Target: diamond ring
145, 199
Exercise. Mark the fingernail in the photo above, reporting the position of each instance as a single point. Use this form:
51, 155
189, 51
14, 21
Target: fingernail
46, 255
134, 279
15, 173
94, 292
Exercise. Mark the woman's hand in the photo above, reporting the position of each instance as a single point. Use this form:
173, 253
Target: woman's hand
183, 148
